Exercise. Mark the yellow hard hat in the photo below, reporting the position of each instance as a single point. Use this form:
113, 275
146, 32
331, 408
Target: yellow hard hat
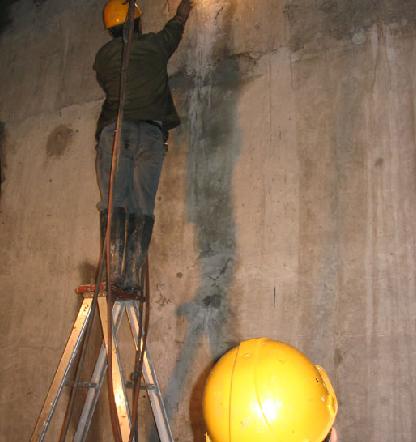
267, 391
115, 12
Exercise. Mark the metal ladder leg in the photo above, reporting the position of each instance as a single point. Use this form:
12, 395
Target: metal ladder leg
97, 380
68, 357
149, 374
123, 411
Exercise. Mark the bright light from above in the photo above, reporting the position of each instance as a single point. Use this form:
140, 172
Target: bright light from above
205, 4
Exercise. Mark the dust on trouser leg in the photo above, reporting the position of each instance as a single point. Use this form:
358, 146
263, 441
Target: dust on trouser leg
138, 240
117, 245
117, 242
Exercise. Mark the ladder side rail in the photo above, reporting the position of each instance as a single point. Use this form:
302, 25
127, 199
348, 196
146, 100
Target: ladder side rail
97, 379
123, 410
149, 374
55, 390
156, 400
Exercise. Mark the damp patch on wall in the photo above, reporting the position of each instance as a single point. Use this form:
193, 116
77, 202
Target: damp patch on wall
342, 19
87, 271
59, 140
210, 86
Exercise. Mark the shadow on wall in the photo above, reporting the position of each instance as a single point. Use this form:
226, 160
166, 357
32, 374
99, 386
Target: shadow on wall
214, 148
5, 18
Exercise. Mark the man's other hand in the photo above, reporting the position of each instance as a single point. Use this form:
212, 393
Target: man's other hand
184, 9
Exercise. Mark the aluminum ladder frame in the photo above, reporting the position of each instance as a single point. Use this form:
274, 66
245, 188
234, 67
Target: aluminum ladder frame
61, 377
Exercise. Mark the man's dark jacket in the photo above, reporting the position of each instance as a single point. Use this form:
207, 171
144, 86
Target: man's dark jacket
148, 96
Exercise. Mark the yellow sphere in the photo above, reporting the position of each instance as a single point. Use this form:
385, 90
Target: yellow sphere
115, 12
267, 391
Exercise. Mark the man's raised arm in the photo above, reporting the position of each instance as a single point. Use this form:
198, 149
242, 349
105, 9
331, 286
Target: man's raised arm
171, 35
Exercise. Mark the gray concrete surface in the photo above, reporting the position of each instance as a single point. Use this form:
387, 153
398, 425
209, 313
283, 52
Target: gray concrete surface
286, 207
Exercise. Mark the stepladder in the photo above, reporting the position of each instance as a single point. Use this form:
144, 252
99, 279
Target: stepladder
127, 309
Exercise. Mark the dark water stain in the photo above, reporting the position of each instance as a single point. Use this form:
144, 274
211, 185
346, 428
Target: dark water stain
341, 19
195, 406
87, 272
214, 148
2, 154
59, 140
5, 15
230, 68
379, 162
338, 357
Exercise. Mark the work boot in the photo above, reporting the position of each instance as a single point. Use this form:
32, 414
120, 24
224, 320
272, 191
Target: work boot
117, 242
139, 234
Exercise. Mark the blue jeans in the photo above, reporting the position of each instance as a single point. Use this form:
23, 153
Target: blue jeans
139, 166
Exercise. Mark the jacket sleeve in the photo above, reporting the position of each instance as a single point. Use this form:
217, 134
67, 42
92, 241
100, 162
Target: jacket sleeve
170, 36
96, 68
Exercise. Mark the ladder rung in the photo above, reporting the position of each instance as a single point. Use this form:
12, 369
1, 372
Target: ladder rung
81, 384
130, 303
87, 290
148, 387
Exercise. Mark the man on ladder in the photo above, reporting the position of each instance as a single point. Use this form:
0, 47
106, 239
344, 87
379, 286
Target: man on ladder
149, 113
131, 132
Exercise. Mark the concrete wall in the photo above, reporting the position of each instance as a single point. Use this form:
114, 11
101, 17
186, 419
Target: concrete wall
286, 206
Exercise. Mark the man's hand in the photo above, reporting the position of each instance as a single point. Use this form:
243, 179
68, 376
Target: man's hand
184, 10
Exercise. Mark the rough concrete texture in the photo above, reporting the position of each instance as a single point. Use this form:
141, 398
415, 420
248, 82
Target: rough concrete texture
2, 154
286, 206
